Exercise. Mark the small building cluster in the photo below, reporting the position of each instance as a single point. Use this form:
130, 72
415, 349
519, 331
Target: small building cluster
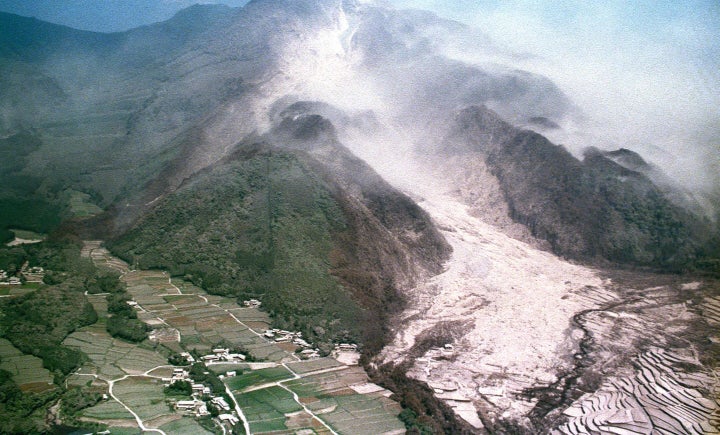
29, 274
346, 353
197, 406
282, 336
6, 279
32, 274
222, 355
252, 303
189, 358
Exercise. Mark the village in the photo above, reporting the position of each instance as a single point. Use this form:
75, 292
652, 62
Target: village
26, 274
202, 395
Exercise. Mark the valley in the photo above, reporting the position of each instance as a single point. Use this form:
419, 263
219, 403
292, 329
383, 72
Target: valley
338, 217
278, 394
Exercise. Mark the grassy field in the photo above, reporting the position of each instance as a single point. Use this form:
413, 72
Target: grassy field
28, 235
257, 377
27, 370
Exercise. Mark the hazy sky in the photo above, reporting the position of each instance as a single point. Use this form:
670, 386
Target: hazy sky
647, 72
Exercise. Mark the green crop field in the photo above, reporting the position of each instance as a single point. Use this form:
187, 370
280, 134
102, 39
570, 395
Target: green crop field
257, 377
329, 395
112, 358
27, 370
114, 430
274, 397
144, 396
265, 409
108, 410
184, 425
312, 365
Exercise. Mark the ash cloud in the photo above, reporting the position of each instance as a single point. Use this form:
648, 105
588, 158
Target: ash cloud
645, 75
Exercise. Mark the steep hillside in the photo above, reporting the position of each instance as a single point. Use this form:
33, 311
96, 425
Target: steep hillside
315, 234
585, 209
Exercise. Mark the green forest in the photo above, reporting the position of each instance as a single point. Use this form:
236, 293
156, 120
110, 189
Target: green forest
260, 227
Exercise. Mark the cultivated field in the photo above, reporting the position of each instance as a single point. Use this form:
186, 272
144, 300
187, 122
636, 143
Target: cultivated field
266, 409
330, 397
27, 370
185, 425
144, 396
257, 377
108, 410
111, 358
313, 365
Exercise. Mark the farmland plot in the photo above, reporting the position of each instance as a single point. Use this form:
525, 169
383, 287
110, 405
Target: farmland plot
314, 365
144, 396
112, 358
27, 370
202, 320
266, 408
184, 425
330, 397
257, 377
108, 410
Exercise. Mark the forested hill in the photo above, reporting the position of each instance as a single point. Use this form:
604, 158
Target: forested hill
270, 223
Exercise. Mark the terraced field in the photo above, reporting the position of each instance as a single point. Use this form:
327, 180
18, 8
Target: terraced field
257, 377
662, 398
279, 396
342, 398
27, 370
185, 425
111, 358
109, 410
145, 397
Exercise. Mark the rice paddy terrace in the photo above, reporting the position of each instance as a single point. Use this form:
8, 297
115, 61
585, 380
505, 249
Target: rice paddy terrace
282, 394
